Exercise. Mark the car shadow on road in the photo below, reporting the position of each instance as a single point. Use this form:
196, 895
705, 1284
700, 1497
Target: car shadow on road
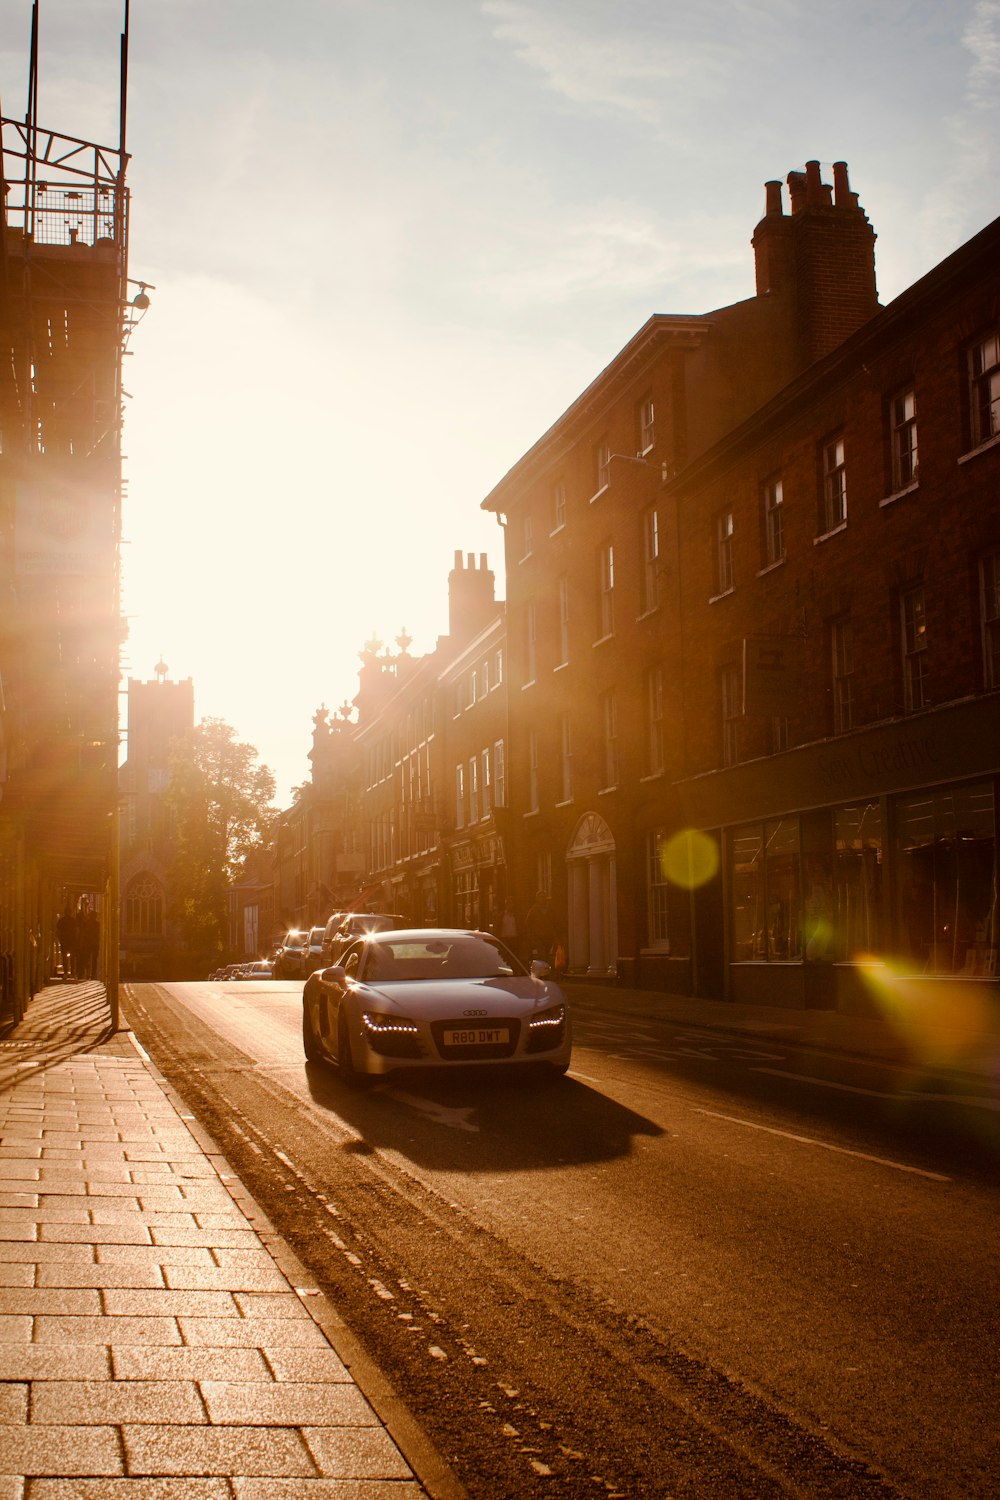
483, 1121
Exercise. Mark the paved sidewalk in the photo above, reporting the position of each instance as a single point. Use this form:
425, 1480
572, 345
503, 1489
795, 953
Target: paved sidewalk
150, 1345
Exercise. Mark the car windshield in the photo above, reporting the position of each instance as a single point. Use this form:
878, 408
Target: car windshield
296, 940
463, 956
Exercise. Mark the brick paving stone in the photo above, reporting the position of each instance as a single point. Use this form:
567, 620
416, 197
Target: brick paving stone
231, 1220
170, 1303
306, 1364
254, 1333
286, 1404
63, 1450
226, 1278
185, 1363
220, 1239
40, 1251
100, 1276
355, 1453
271, 1305
51, 1362
13, 1403
14, 1329
114, 1211
60, 1330
20, 1275
36, 1299
259, 1451
175, 1255
21, 1167
122, 1232
100, 1403
204, 1487
18, 1200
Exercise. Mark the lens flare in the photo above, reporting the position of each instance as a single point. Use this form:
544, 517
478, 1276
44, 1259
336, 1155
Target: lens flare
942, 1022
690, 858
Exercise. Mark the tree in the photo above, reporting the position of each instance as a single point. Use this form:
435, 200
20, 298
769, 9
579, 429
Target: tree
219, 798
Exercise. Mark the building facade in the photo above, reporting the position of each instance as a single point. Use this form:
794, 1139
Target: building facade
695, 645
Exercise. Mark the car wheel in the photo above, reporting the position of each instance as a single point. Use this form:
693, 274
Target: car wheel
553, 1072
310, 1041
345, 1062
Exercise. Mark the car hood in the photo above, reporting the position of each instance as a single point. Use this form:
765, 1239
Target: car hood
429, 999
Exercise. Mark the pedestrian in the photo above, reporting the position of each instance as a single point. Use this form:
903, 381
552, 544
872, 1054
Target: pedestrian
88, 941
507, 928
66, 935
541, 929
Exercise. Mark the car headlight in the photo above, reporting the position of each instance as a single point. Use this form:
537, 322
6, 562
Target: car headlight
383, 1025
548, 1020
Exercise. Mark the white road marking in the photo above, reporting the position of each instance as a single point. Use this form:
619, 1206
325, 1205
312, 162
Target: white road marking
805, 1140
976, 1101
455, 1119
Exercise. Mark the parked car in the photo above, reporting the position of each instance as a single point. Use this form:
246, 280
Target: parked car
290, 963
432, 998
314, 952
356, 924
329, 933
261, 968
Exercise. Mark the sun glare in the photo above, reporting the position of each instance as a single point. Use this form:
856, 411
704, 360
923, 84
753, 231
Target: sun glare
690, 858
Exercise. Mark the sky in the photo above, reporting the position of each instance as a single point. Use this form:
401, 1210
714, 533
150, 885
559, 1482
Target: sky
390, 241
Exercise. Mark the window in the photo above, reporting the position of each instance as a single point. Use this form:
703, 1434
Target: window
767, 891
499, 782
559, 506
530, 643
602, 464
498, 667
527, 534
647, 425
913, 633
609, 716
459, 796
774, 521
946, 880
459, 700
470, 689
654, 720
486, 781
144, 907
543, 872
533, 770
857, 881
474, 790
729, 691
842, 666
724, 552
984, 389
989, 594
903, 438
606, 591
566, 756
563, 619
657, 890
834, 484
649, 580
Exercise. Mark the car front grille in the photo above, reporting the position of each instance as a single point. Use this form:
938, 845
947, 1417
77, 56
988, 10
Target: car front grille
477, 1051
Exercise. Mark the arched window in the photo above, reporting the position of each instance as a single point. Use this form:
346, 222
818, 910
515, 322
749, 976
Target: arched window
144, 907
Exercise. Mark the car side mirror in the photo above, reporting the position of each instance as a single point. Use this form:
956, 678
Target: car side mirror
540, 969
336, 974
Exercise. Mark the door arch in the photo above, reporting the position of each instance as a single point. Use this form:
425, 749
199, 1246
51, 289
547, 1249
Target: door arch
592, 906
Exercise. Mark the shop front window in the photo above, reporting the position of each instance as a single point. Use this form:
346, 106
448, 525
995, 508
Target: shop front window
767, 891
857, 880
946, 855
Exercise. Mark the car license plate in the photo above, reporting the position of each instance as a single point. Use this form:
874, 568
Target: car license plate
476, 1036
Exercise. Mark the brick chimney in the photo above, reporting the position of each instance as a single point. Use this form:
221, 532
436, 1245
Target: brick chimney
471, 598
821, 255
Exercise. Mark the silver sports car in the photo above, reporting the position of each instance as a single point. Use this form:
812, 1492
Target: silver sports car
430, 998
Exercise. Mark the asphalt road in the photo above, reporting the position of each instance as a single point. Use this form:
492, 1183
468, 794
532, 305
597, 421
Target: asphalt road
699, 1266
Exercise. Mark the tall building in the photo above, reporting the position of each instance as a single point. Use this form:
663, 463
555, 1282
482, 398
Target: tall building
737, 604
63, 319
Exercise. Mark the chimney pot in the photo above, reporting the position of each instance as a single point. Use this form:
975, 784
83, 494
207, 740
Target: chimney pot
814, 185
773, 202
482, 561
841, 185
458, 559
472, 562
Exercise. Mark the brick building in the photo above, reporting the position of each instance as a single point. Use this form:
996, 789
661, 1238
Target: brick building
656, 563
